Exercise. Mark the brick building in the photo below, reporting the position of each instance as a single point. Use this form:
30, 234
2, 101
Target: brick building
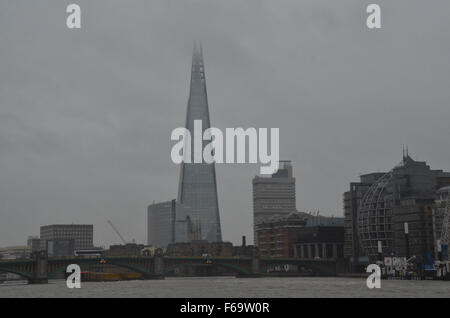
276, 235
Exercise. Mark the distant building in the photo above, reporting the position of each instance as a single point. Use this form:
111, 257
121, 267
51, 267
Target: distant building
60, 247
30, 239
15, 252
34, 243
81, 234
377, 208
275, 195
200, 248
320, 242
168, 223
130, 249
245, 250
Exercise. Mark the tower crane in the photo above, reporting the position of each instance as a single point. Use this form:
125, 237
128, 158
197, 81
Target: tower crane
117, 232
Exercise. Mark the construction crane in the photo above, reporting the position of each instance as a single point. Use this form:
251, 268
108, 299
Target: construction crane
117, 232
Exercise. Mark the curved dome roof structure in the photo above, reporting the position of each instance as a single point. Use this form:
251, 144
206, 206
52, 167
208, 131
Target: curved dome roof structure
406, 194
442, 195
375, 217
444, 190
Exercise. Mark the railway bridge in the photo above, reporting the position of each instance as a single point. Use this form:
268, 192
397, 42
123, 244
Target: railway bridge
39, 268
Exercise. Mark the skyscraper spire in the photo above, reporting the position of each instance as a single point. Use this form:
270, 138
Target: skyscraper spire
197, 187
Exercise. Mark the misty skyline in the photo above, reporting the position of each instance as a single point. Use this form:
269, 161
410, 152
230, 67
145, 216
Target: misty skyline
86, 115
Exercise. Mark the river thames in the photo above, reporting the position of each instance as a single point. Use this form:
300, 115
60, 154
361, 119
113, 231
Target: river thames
230, 287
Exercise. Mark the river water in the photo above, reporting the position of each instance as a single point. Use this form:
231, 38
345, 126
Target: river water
232, 287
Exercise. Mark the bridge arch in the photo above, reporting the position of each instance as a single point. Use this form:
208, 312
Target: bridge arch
137, 269
133, 267
23, 274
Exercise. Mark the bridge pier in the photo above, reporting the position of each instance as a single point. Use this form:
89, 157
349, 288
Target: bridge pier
40, 270
255, 269
158, 266
255, 265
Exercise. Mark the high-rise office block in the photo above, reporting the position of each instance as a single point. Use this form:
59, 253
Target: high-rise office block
198, 187
274, 195
168, 222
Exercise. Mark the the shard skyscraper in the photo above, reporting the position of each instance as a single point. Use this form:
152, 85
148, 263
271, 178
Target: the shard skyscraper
198, 188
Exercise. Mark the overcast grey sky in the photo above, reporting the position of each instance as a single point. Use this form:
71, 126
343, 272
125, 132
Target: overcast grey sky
86, 115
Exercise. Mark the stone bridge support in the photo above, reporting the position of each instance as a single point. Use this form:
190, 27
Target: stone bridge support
40, 268
158, 265
158, 269
255, 269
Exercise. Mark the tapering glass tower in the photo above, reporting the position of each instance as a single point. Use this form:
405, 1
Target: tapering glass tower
198, 188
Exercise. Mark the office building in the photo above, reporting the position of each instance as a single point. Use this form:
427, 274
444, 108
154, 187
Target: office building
81, 234
383, 203
274, 195
169, 222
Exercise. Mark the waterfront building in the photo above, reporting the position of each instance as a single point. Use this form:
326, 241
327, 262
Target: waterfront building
15, 252
320, 242
197, 185
81, 234
437, 212
352, 200
277, 234
377, 208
